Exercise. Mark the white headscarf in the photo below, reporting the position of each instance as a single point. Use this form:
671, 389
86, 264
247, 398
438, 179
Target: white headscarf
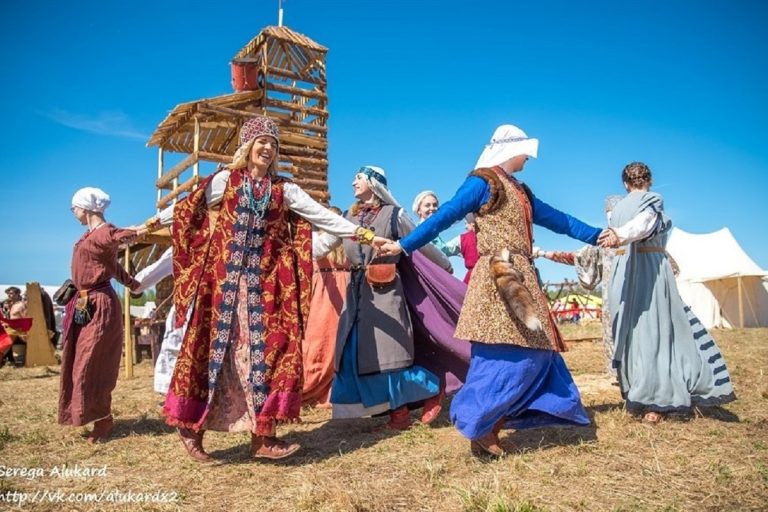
91, 199
419, 198
508, 141
377, 180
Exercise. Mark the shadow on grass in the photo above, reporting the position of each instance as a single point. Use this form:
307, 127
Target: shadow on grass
140, 427
331, 439
519, 441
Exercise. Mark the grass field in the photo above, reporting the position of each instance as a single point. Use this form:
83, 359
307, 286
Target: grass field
716, 461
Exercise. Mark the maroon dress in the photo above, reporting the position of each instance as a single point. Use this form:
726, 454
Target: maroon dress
91, 358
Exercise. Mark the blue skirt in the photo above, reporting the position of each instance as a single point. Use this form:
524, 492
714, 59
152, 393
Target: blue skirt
355, 396
527, 387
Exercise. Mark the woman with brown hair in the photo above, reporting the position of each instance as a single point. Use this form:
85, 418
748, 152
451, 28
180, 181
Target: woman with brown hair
665, 359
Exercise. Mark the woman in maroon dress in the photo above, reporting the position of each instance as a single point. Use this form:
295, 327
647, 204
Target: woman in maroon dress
93, 330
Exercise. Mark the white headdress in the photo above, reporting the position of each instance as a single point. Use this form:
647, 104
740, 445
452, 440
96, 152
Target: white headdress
419, 198
377, 180
508, 141
92, 199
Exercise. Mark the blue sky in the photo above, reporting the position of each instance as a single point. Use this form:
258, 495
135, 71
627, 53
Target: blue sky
416, 87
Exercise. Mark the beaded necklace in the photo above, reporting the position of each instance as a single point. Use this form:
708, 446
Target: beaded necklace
258, 194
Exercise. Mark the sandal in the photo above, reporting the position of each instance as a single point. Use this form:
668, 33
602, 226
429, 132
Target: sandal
652, 417
487, 445
399, 419
193, 443
270, 447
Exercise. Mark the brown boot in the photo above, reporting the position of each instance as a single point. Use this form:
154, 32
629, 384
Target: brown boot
270, 447
432, 407
101, 430
399, 419
193, 443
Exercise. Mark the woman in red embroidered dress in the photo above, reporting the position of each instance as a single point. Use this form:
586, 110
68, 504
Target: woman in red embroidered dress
93, 341
245, 283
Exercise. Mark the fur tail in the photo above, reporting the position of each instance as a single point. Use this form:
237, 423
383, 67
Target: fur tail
509, 282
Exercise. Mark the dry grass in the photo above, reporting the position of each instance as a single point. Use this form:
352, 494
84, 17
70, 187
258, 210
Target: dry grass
715, 462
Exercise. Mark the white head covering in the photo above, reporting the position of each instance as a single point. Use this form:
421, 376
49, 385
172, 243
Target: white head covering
377, 180
91, 199
507, 142
419, 198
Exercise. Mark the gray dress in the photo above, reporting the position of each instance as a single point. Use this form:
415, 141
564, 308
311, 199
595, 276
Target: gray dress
666, 360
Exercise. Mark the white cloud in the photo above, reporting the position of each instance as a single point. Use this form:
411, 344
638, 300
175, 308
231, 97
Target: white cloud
116, 124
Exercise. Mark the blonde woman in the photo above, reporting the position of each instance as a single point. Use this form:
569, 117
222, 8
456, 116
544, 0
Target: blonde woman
244, 279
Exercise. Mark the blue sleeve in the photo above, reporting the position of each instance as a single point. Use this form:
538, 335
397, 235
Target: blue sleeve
472, 194
562, 223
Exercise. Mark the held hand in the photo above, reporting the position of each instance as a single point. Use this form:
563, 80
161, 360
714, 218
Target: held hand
608, 238
390, 249
378, 241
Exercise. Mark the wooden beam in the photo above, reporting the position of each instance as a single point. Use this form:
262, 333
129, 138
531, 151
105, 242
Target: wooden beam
214, 157
127, 327
295, 107
273, 86
306, 161
293, 75
196, 148
298, 139
175, 171
159, 171
289, 149
186, 187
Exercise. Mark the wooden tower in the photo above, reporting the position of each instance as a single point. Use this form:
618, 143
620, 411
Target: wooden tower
289, 85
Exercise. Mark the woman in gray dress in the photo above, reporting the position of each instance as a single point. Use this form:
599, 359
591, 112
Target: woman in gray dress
665, 359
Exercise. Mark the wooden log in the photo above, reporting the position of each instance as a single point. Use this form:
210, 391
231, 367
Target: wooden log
159, 171
309, 183
128, 327
185, 187
289, 149
320, 95
286, 105
293, 138
196, 148
175, 171
307, 173
215, 157
305, 161
271, 70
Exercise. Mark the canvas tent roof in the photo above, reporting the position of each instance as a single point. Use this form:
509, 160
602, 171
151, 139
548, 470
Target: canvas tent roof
710, 256
719, 281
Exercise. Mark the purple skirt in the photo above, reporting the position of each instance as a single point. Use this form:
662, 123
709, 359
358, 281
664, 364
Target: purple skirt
527, 387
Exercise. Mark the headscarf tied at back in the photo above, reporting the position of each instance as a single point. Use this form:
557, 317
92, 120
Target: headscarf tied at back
92, 199
508, 141
377, 180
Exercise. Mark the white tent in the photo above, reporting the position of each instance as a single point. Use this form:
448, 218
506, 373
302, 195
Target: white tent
718, 280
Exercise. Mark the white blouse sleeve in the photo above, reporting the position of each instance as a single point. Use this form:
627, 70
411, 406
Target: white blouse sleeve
335, 227
319, 216
214, 193
641, 226
155, 272
405, 225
